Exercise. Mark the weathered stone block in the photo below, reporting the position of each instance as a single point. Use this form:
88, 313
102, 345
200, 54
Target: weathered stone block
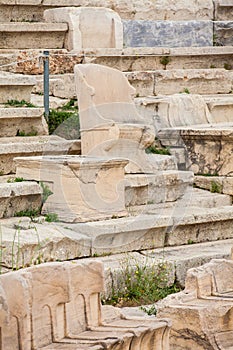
32, 35
168, 33
15, 87
106, 28
84, 188
223, 33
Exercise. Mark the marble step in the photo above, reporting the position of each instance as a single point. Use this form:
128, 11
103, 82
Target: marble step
127, 59
11, 147
16, 121
164, 227
33, 10
156, 82
25, 35
151, 58
19, 197
15, 87
164, 186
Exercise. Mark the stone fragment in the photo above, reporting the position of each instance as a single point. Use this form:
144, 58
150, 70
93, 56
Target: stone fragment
223, 10
168, 33
84, 188
106, 29
202, 313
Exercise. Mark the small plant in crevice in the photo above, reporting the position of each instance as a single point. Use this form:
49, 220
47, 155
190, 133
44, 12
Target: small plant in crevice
215, 187
165, 60
31, 213
150, 310
158, 150
17, 179
51, 217
141, 284
46, 192
17, 103
185, 91
228, 66
22, 133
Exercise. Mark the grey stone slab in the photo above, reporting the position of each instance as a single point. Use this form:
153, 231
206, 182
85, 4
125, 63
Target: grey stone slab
168, 33
223, 33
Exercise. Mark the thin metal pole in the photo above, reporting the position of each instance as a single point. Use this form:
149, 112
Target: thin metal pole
46, 84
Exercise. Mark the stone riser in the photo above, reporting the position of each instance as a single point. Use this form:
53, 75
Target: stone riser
32, 35
151, 10
150, 62
147, 83
16, 120
32, 146
17, 197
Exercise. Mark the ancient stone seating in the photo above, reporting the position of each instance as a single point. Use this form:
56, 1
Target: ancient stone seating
57, 306
203, 312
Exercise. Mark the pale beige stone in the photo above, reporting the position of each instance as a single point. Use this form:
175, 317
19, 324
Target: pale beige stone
32, 35
110, 123
12, 147
58, 309
15, 87
159, 10
18, 197
106, 29
84, 188
167, 82
27, 120
224, 183
204, 309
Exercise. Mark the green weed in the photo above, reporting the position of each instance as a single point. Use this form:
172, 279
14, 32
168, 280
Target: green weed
215, 187
156, 150
46, 192
17, 103
51, 217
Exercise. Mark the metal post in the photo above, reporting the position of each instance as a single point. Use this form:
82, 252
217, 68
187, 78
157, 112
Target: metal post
46, 84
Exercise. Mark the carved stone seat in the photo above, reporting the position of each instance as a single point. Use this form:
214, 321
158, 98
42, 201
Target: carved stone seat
57, 306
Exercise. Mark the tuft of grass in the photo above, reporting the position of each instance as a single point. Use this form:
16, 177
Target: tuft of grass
17, 103
51, 217
141, 284
149, 310
33, 132
46, 192
17, 179
185, 91
156, 150
215, 187
32, 213
165, 60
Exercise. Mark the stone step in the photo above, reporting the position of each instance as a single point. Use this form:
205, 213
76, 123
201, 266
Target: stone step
11, 147
127, 59
19, 197
198, 141
15, 87
221, 184
21, 35
168, 82
157, 82
178, 261
156, 110
33, 10
148, 227
148, 33
18, 121
151, 58
164, 186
